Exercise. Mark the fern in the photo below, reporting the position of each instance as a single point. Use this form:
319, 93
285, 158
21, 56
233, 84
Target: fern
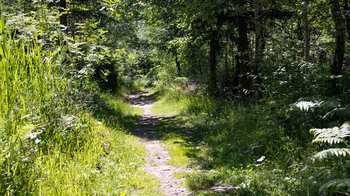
333, 135
332, 152
345, 112
336, 183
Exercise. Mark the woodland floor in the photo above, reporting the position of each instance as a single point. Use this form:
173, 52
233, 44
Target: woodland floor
157, 157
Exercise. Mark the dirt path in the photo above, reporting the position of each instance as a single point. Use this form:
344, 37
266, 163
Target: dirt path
157, 157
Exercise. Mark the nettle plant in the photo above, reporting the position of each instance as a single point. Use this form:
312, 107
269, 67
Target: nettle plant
336, 136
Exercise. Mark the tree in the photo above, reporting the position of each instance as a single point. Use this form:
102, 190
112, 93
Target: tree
62, 6
213, 48
306, 31
259, 43
242, 56
336, 67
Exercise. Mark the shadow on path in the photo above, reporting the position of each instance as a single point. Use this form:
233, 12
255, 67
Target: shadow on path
140, 98
157, 158
147, 126
153, 129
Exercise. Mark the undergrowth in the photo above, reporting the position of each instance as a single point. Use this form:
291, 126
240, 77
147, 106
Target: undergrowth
249, 147
58, 134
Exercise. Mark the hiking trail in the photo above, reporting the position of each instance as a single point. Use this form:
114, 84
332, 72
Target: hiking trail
157, 157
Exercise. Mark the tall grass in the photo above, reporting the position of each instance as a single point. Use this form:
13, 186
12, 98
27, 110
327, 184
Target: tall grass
30, 101
50, 144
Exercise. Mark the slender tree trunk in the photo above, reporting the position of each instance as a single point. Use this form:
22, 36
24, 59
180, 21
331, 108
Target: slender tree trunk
259, 44
347, 17
227, 70
306, 31
213, 45
62, 4
178, 66
336, 67
243, 57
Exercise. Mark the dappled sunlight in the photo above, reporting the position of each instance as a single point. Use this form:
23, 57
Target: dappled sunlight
177, 97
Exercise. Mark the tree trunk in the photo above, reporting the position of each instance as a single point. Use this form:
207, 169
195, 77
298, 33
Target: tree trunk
306, 31
226, 82
259, 44
177, 62
336, 67
347, 17
62, 4
213, 89
243, 57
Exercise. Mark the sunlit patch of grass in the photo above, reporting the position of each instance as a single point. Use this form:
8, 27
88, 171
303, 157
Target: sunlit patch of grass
107, 164
165, 109
120, 104
177, 150
137, 111
180, 175
129, 86
176, 145
146, 184
170, 105
114, 111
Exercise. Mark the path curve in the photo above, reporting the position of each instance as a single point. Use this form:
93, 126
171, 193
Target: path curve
157, 157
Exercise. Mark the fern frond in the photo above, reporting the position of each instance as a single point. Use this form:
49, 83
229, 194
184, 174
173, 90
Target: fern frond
345, 182
328, 140
332, 152
333, 135
338, 112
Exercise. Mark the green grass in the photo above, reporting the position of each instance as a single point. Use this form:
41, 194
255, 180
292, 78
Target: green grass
169, 105
225, 142
59, 135
174, 140
180, 175
177, 152
107, 164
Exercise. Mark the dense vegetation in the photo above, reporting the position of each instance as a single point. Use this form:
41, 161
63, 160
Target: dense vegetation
261, 89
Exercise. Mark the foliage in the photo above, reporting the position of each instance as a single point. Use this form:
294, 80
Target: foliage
333, 136
51, 142
244, 146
